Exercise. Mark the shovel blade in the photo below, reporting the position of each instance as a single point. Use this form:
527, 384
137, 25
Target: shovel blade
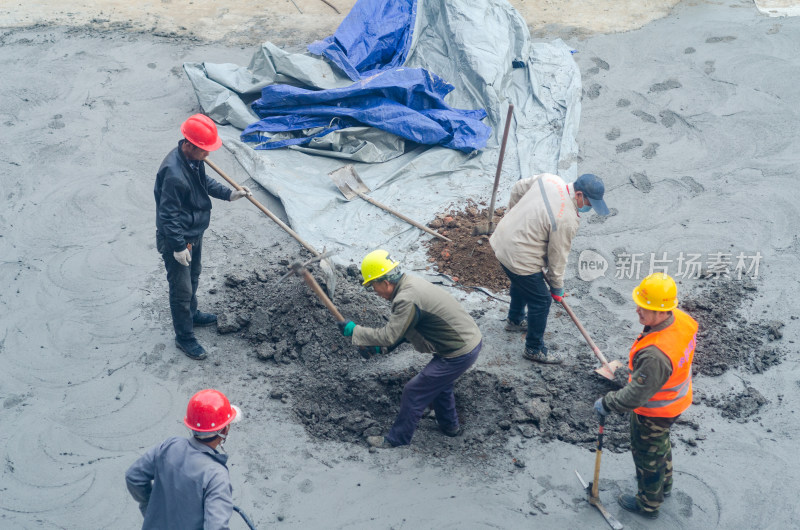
595, 501
347, 180
330, 276
608, 372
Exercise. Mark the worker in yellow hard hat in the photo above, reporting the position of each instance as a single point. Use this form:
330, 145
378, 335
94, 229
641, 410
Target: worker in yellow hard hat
433, 322
659, 389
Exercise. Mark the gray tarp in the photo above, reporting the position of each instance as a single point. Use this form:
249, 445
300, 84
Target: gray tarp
470, 46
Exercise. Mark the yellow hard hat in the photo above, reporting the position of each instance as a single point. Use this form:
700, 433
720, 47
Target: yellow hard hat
376, 264
657, 292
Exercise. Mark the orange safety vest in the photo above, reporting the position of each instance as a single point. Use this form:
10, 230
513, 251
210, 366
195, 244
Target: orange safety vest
677, 341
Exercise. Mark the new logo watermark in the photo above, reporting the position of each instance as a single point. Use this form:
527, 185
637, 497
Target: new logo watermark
591, 265
685, 265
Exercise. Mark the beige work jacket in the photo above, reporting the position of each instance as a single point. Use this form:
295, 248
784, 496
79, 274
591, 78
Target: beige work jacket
537, 230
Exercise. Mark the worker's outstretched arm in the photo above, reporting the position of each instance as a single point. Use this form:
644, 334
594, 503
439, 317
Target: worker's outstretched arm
403, 314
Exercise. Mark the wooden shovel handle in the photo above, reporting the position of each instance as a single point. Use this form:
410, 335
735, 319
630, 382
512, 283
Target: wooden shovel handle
401, 216
499, 165
598, 456
586, 336
261, 207
312, 283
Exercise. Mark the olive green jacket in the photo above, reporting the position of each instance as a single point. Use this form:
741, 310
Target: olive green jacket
428, 317
651, 369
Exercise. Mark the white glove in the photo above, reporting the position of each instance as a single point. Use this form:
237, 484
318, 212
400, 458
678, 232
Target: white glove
184, 257
238, 194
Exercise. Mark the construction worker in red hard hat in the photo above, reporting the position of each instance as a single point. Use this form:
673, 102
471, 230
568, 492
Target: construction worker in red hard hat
184, 482
183, 194
659, 389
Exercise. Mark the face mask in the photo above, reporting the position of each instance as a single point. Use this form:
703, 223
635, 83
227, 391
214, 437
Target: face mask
585, 208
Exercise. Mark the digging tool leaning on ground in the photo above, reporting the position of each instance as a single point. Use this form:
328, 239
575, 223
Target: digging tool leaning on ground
433, 322
659, 389
535, 235
183, 194
184, 482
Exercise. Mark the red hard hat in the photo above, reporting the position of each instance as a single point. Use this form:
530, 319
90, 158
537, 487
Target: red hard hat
209, 410
201, 131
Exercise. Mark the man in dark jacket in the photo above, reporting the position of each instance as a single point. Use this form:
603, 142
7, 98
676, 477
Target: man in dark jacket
433, 322
184, 482
183, 194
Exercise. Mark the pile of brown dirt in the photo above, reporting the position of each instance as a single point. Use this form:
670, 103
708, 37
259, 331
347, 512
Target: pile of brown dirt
468, 258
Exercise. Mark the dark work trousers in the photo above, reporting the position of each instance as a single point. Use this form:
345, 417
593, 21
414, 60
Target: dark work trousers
432, 386
531, 291
183, 282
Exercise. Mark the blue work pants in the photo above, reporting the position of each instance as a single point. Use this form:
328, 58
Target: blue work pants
432, 386
530, 290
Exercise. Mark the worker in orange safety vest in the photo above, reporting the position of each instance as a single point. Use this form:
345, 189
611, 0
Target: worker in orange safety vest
659, 389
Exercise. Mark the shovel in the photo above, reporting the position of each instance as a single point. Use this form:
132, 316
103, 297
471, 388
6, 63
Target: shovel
487, 228
324, 262
299, 269
608, 368
351, 186
593, 489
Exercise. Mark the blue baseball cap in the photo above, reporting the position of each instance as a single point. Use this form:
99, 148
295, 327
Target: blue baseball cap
591, 186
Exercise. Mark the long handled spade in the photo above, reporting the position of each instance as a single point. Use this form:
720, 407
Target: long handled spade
351, 186
324, 263
484, 229
593, 490
299, 269
608, 368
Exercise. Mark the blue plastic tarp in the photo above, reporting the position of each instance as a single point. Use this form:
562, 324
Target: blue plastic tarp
483, 49
408, 102
374, 36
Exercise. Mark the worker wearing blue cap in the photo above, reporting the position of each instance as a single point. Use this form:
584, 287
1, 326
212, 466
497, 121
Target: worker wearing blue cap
532, 243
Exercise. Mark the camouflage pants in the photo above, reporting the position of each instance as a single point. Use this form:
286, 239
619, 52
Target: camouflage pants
652, 456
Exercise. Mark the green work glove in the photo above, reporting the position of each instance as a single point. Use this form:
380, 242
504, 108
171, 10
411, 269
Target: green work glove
368, 351
346, 327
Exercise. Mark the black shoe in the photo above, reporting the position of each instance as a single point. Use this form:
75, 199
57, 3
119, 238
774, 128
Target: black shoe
667, 493
541, 357
630, 503
522, 325
451, 432
191, 348
201, 319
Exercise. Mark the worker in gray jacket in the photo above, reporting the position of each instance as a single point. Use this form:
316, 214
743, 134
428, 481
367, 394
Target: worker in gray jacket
184, 482
433, 322
532, 242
